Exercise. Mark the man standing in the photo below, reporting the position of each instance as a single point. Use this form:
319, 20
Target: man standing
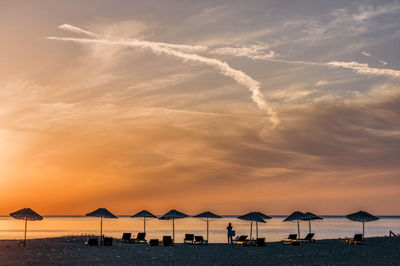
230, 233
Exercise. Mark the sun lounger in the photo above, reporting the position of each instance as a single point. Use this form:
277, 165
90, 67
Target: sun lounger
141, 238
92, 242
239, 240
167, 241
309, 238
189, 239
290, 239
126, 238
107, 241
153, 242
260, 242
199, 240
357, 240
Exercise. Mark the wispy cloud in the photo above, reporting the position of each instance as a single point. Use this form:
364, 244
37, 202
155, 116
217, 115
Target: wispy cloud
364, 69
161, 48
366, 53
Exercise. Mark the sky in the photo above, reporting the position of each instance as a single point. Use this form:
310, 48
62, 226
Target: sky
228, 106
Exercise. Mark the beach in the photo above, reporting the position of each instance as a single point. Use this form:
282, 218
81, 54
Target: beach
72, 251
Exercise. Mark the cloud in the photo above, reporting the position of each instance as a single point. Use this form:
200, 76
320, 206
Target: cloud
364, 69
366, 53
320, 83
383, 62
161, 48
255, 52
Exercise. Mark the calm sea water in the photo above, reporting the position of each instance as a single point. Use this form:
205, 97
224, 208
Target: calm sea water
273, 230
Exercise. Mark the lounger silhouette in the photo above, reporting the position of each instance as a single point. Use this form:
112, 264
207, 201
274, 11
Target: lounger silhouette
92, 242
189, 239
167, 241
153, 242
126, 238
290, 239
199, 240
260, 242
141, 238
309, 238
239, 240
357, 239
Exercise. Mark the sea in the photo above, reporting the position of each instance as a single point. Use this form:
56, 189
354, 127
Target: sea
331, 227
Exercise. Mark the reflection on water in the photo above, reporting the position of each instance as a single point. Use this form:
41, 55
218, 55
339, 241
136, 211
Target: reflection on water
273, 230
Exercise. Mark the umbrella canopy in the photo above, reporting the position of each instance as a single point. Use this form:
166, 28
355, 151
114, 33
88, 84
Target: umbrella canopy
102, 213
254, 217
26, 214
144, 214
308, 216
207, 215
172, 215
295, 216
363, 217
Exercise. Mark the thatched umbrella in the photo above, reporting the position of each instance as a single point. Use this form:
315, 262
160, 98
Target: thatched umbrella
308, 216
26, 214
102, 213
363, 217
295, 216
254, 217
144, 214
172, 215
207, 215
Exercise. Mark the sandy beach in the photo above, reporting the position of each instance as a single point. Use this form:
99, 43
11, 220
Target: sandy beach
72, 251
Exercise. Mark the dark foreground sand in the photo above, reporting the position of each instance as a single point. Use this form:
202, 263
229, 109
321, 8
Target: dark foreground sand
72, 251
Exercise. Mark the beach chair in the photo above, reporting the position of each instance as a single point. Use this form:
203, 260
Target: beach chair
126, 238
108, 241
357, 240
153, 242
167, 241
260, 242
290, 239
199, 240
141, 238
189, 239
92, 242
239, 240
309, 238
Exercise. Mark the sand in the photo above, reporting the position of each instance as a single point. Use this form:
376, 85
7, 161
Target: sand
72, 251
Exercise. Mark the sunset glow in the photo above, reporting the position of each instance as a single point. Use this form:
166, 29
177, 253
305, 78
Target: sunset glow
199, 105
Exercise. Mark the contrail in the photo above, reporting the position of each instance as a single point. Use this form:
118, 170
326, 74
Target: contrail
77, 30
239, 76
181, 47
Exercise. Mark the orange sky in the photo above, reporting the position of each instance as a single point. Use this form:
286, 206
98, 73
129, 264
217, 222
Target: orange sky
292, 121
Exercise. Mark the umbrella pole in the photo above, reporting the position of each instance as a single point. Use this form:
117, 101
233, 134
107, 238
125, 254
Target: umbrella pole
26, 224
101, 230
144, 224
257, 229
309, 225
251, 229
363, 230
173, 230
298, 228
207, 229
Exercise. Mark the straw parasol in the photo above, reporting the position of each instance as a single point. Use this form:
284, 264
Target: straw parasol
26, 214
172, 215
144, 214
207, 215
308, 216
102, 213
295, 216
254, 217
363, 217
